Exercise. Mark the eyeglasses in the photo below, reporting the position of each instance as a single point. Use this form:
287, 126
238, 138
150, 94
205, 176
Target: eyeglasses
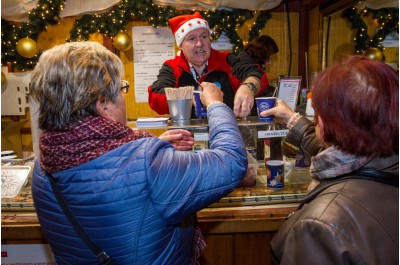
124, 87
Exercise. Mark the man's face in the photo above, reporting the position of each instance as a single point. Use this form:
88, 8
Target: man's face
197, 46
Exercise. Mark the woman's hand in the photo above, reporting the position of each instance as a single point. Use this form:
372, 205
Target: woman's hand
281, 111
181, 140
210, 93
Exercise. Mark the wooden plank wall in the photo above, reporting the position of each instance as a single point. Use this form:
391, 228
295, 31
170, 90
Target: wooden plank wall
237, 249
340, 42
276, 28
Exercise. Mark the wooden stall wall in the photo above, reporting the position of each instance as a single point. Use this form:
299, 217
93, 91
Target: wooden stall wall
314, 56
276, 27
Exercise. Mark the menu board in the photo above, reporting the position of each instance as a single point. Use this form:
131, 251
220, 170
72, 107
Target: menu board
151, 47
289, 90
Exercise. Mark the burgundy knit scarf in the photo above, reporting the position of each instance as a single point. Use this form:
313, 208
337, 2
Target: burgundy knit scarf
83, 142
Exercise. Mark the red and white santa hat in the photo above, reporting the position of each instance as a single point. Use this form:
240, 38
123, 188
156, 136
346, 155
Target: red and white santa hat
182, 25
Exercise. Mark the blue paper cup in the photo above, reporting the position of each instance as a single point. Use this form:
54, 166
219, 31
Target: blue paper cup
264, 103
275, 174
198, 106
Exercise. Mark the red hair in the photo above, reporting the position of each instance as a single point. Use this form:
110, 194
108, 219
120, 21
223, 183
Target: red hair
358, 101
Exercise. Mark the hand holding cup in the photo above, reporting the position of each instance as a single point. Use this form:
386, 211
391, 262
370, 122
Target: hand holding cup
210, 94
281, 111
263, 104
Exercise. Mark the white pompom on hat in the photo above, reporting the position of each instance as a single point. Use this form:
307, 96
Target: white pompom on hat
182, 25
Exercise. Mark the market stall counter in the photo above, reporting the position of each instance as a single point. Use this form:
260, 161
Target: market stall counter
237, 228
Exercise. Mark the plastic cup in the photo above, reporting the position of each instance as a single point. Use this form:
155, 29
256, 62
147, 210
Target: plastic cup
265, 103
180, 109
200, 112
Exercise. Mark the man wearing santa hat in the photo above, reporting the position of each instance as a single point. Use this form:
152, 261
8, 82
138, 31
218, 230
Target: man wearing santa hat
197, 62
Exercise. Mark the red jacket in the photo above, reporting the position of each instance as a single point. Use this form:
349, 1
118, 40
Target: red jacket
223, 67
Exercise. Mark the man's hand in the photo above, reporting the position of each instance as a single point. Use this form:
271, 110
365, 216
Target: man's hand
181, 140
244, 101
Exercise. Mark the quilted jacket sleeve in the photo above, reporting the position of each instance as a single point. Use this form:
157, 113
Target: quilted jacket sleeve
183, 182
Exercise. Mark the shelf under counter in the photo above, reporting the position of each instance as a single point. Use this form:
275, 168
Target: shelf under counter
245, 209
238, 227
295, 189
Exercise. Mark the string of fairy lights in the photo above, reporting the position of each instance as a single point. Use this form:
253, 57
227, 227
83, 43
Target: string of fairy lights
47, 12
387, 19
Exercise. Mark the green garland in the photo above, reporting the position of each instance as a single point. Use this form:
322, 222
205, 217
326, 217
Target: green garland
47, 12
115, 21
111, 23
387, 18
260, 22
37, 23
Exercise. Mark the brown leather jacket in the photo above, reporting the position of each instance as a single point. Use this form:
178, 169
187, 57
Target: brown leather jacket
351, 221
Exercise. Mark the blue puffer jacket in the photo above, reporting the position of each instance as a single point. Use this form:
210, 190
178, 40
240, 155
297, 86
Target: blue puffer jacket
133, 199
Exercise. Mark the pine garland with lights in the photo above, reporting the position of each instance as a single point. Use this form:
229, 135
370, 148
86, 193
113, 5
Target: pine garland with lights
387, 19
260, 22
229, 22
115, 21
46, 13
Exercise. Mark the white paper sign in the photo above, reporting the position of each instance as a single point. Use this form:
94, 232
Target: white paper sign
151, 47
289, 90
201, 136
223, 43
272, 134
391, 40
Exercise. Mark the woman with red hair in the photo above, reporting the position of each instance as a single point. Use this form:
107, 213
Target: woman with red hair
351, 214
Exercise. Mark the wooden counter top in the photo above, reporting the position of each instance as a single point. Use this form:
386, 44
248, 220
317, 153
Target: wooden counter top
246, 209
237, 229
